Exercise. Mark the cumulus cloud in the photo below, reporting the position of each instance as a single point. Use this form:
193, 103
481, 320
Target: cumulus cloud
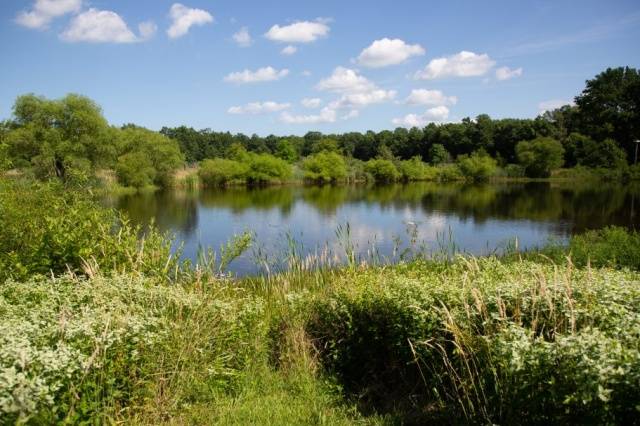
45, 11
289, 50
256, 108
298, 32
430, 97
345, 80
463, 64
326, 115
260, 75
243, 38
506, 73
104, 26
432, 115
385, 52
363, 99
184, 18
552, 104
311, 102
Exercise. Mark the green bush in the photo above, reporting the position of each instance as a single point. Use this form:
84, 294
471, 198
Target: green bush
475, 341
416, 170
449, 172
220, 172
325, 166
47, 228
382, 171
540, 156
605, 154
612, 246
513, 171
478, 166
438, 154
265, 168
135, 170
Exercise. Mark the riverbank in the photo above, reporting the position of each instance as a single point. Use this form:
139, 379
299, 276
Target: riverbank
97, 325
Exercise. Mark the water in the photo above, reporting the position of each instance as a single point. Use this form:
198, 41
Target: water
478, 219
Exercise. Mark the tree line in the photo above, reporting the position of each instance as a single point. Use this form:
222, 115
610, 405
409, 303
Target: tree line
69, 139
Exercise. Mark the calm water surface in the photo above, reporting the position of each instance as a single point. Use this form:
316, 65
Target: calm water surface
478, 219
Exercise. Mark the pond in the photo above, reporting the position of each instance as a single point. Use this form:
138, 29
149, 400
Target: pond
381, 222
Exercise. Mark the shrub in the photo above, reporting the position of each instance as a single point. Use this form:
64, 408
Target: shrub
415, 170
473, 342
449, 172
605, 154
135, 170
540, 156
265, 168
612, 246
478, 166
220, 172
45, 228
324, 166
382, 171
513, 171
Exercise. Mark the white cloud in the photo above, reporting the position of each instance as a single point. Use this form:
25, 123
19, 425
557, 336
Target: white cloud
363, 99
344, 80
326, 115
255, 108
104, 26
387, 52
430, 97
552, 104
463, 64
243, 38
298, 32
289, 50
260, 75
506, 73
354, 113
432, 115
306, 73
45, 11
184, 18
311, 102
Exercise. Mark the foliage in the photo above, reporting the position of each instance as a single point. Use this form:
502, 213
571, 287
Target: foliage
220, 172
605, 154
477, 166
286, 151
325, 166
540, 156
265, 168
438, 154
449, 173
415, 170
45, 228
382, 171
611, 246
473, 341
158, 158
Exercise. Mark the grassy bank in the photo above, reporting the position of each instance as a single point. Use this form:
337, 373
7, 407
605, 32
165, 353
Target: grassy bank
99, 324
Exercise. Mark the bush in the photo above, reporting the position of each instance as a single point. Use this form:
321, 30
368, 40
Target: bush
220, 172
265, 168
415, 170
324, 166
473, 342
438, 154
449, 172
513, 171
612, 246
135, 170
46, 228
382, 171
478, 166
605, 154
540, 156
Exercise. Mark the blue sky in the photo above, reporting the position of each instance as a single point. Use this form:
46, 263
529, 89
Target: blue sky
356, 65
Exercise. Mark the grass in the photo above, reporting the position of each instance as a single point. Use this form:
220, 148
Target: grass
98, 324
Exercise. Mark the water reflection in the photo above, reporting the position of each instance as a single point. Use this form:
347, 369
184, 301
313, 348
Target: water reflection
480, 217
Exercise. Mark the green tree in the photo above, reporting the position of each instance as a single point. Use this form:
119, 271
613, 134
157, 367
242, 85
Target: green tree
135, 170
382, 171
540, 156
606, 154
477, 166
324, 166
265, 168
438, 154
286, 151
609, 107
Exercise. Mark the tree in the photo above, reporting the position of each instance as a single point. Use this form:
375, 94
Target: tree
220, 171
609, 107
135, 170
540, 156
54, 135
438, 154
606, 154
477, 166
382, 171
324, 167
286, 151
